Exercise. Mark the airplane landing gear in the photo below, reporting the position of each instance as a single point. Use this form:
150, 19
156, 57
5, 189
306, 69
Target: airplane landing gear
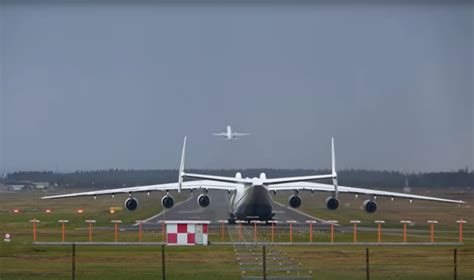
231, 220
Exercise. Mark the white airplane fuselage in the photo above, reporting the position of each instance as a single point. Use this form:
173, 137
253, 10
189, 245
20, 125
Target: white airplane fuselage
229, 134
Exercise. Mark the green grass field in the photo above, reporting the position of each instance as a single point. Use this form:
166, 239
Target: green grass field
21, 260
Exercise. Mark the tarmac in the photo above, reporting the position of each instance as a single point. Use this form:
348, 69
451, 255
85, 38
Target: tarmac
218, 209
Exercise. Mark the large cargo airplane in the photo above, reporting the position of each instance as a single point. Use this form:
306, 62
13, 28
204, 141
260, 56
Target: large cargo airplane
230, 135
250, 198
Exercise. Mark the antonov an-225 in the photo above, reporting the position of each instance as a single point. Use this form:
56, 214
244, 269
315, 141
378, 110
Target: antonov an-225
250, 198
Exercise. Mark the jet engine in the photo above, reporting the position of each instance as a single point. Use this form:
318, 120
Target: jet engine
167, 201
332, 203
369, 206
131, 203
294, 201
203, 200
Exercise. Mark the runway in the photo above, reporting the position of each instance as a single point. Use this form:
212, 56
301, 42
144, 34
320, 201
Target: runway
218, 210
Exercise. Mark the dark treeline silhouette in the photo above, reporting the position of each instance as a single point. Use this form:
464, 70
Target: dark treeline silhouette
114, 178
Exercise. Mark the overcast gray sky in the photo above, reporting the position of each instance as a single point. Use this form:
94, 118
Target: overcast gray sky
118, 86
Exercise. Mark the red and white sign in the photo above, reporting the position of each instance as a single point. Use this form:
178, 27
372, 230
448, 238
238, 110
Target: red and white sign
7, 237
186, 232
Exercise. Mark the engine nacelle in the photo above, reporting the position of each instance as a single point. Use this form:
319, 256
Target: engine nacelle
332, 203
294, 201
203, 200
369, 206
131, 203
167, 201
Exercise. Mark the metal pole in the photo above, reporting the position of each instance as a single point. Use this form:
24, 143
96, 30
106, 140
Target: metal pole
34, 231
90, 222
240, 231
222, 231
163, 270
90, 232
405, 222
367, 270
355, 222
62, 232
379, 233
432, 233
355, 233
34, 221
264, 263
163, 232
255, 232
310, 232
140, 232
455, 264
332, 233
460, 222
116, 232
404, 233
73, 270
291, 232
273, 231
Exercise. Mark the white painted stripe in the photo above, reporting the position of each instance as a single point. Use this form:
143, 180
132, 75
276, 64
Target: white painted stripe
162, 212
302, 213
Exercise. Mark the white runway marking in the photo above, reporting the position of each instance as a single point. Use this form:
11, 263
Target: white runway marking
162, 212
191, 211
302, 213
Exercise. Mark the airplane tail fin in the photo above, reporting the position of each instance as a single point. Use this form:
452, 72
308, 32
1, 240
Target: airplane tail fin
333, 167
181, 166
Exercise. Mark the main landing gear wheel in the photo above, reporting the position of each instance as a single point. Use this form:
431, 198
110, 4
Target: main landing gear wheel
231, 220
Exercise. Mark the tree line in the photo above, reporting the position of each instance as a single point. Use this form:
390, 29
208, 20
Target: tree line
115, 178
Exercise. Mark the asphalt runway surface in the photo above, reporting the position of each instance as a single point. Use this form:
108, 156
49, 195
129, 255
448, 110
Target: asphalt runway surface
219, 210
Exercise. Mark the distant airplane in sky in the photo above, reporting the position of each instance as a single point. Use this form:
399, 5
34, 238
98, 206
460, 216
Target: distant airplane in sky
250, 198
230, 135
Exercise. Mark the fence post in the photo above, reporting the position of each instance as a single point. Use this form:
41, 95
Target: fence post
379, 230
116, 229
455, 264
139, 222
240, 229
291, 222
432, 223
163, 233
34, 221
223, 222
273, 231
333, 222
255, 222
405, 222
311, 222
90, 222
264, 263
367, 270
460, 222
355, 222
73, 268
163, 269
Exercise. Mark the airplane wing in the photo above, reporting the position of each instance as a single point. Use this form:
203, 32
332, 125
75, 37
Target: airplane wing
190, 185
220, 134
240, 134
310, 186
